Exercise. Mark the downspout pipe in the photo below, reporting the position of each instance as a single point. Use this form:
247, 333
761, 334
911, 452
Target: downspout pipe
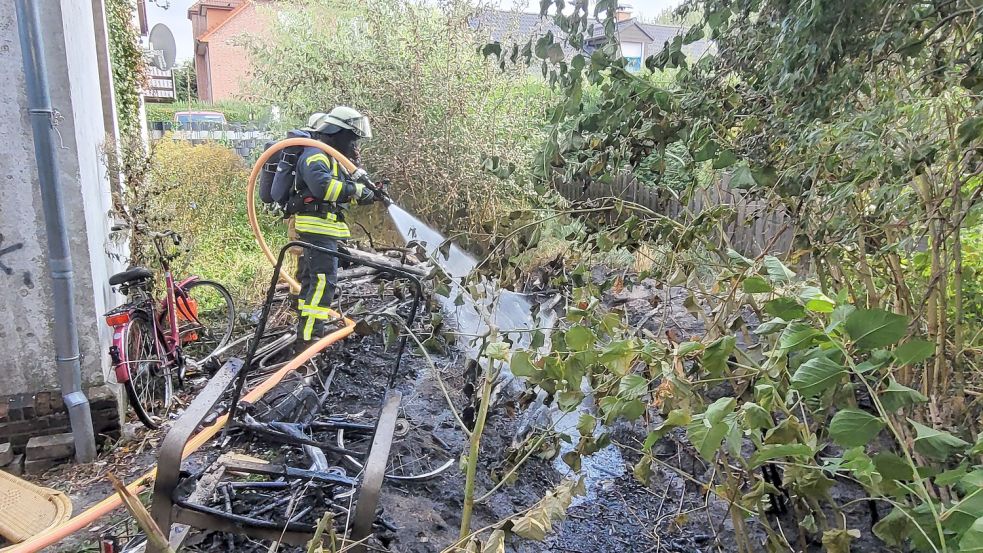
67, 356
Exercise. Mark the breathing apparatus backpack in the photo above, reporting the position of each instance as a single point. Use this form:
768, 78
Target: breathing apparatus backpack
278, 179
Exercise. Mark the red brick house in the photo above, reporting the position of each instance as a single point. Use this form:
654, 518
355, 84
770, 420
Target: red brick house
221, 65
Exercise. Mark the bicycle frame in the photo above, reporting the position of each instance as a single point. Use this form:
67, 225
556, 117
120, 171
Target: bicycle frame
167, 344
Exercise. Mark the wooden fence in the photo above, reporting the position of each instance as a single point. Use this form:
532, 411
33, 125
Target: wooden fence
245, 140
757, 227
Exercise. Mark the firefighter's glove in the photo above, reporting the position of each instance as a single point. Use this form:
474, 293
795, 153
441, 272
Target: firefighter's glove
360, 175
363, 194
382, 192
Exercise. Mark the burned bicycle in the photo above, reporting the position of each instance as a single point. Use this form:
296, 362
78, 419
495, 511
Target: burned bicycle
328, 464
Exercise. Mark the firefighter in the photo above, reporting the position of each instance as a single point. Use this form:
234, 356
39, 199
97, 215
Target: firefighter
326, 189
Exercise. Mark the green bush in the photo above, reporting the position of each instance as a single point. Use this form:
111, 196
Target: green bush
199, 192
449, 127
235, 111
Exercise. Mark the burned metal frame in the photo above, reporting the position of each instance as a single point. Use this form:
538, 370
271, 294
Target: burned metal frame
271, 291
166, 510
172, 447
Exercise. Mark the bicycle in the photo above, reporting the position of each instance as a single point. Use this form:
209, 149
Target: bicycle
154, 340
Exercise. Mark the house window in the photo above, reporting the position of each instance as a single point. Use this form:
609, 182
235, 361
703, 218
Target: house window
632, 51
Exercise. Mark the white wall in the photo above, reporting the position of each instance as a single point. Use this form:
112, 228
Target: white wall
634, 51
86, 91
26, 315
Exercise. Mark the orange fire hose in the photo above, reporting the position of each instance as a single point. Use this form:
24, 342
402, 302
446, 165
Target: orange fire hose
106, 506
251, 191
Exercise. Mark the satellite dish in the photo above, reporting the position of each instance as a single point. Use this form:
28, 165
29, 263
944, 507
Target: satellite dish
162, 46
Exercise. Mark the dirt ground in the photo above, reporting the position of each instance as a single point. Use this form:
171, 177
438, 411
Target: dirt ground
673, 514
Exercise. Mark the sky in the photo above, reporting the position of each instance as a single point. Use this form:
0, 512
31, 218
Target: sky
175, 16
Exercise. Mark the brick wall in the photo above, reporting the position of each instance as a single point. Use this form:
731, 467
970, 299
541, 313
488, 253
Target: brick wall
23, 416
228, 62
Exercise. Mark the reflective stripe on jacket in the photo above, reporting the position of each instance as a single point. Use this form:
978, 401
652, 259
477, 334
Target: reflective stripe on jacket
329, 225
323, 178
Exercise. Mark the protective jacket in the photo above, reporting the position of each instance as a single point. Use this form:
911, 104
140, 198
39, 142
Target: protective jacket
327, 190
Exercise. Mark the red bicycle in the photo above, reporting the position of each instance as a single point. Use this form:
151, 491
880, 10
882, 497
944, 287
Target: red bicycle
154, 340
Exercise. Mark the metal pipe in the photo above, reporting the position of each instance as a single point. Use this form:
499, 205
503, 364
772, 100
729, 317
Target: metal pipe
67, 356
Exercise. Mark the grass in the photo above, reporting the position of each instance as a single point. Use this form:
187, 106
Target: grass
201, 192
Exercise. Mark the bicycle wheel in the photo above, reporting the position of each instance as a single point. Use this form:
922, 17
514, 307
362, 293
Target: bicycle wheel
149, 387
417, 452
206, 316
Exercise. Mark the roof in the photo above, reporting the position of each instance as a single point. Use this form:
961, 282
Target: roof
511, 26
514, 25
217, 4
503, 26
661, 34
235, 13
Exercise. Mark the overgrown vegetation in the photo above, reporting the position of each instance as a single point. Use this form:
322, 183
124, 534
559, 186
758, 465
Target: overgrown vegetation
198, 192
851, 359
861, 122
128, 64
446, 124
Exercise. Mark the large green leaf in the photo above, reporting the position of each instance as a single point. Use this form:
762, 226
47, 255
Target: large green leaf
675, 419
777, 271
719, 409
893, 467
586, 424
756, 417
579, 338
839, 315
769, 452
817, 375
633, 386
816, 300
741, 178
705, 439
797, 336
716, 354
875, 328
894, 528
771, 327
708, 429
853, 428
977, 448
687, 348
756, 285
614, 407
737, 259
972, 540
521, 365
897, 396
785, 308
936, 444
569, 400
914, 351
725, 158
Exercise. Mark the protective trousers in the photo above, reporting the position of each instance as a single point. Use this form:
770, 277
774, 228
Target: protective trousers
317, 273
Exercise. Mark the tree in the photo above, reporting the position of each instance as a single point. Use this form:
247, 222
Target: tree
186, 81
861, 121
448, 127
